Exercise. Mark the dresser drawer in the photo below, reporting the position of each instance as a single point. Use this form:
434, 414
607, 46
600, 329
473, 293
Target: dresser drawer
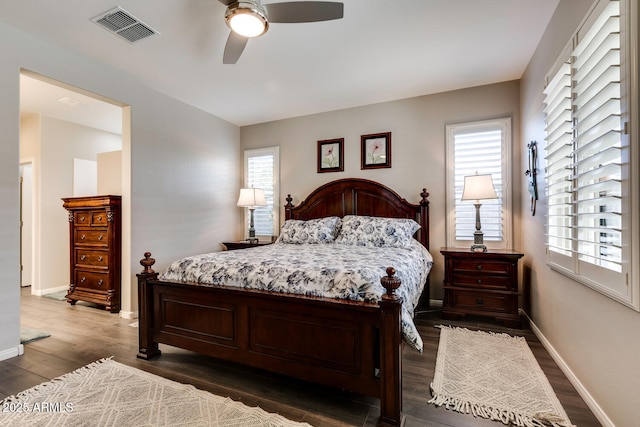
484, 280
97, 237
481, 266
90, 218
92, 258
92, 280
481, 301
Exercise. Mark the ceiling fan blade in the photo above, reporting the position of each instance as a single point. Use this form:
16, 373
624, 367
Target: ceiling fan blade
234, 47
227, 2
304, 11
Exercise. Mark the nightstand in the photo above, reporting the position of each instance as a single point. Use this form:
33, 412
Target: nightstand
481, 283
244, 244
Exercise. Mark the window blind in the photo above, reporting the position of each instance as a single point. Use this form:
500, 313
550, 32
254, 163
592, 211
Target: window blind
261, 172
478, 151
588, 163
583, 153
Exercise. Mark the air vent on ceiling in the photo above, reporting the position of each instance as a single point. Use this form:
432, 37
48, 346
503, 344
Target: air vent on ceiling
125, 25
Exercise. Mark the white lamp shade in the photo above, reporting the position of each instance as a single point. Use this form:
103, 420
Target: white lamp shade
251, 197
478, 187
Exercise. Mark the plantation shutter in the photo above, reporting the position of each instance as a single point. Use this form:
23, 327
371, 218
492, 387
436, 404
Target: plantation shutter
478, 151
586, 144
261, 172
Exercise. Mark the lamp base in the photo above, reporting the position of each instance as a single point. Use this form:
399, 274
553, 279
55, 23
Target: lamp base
252, 240
478, 240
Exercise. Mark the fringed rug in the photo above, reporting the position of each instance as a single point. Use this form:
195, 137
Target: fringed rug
494, 376
107, 393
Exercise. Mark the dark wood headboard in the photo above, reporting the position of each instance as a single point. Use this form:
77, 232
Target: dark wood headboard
355, 196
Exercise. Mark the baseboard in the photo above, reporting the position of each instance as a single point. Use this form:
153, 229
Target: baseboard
11, 352
582, 391
46, 291
128, 314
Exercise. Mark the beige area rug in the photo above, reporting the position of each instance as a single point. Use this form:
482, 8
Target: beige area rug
108, 393
494, 376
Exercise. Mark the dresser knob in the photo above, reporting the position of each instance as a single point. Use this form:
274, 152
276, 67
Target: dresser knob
82, 218
100, 282
479, 302
82, 237
100, 237
84, 279
100, 258
479, 281
479, 267
82, 258
100, 218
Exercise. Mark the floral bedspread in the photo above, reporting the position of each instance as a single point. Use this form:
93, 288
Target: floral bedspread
331, 270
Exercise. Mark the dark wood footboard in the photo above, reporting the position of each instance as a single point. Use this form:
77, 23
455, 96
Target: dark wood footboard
350, 345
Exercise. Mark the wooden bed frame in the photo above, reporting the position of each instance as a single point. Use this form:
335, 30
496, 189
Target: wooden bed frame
350, 345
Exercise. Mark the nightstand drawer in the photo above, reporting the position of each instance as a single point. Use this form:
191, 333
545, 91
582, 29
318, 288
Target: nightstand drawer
481, 266
486, 302
481, 281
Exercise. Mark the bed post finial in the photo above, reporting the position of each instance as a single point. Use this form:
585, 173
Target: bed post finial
147, 262
289, 199
390, 283
425, 196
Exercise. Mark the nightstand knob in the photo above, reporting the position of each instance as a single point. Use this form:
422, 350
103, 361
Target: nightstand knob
100, 237
479, 302
82, 218
479, 267
100, 282
100, 258
99, 218
479, 281
83, 237
84, 279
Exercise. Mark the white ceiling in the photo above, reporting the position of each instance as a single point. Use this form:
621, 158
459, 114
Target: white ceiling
381, 50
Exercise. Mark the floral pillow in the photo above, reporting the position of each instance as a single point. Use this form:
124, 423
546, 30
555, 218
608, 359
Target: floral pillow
377, 231
321, 230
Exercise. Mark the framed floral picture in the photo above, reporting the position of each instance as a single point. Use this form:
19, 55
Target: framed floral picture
331, 155
376, 150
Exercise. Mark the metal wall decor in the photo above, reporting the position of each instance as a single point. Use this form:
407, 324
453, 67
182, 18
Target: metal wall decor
532, 173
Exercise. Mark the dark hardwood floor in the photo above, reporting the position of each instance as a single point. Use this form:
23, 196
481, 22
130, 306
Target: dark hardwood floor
84, 333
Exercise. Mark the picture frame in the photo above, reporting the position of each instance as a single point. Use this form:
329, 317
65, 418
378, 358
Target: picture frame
331, 155
376, 150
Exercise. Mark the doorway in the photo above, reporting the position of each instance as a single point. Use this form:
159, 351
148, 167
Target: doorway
26, 223
59, 125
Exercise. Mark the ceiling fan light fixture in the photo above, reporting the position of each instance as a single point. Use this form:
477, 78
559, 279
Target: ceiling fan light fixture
247, 19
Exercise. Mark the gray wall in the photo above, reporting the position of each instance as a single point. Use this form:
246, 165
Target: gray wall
181, 200
417, 127
596, 339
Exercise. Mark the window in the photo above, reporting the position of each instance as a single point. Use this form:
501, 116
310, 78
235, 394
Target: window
587, 158
483, 148
261, 170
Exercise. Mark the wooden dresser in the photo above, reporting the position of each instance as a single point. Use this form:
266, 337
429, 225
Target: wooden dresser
95, 250
481, 283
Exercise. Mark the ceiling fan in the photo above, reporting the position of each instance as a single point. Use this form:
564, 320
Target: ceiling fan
250, 18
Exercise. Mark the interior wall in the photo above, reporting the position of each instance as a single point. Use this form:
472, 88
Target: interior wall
595, 338
417, 127
61, 142
181, 201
